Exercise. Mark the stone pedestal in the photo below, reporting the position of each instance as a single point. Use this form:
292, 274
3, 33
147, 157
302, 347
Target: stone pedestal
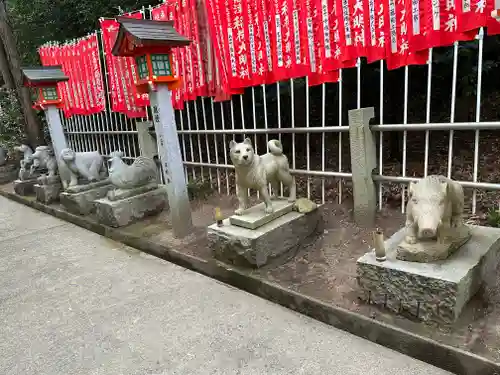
436, 291
433, 250
8, 173
48, 194
271, 236
123, 212
25, 187
80, 200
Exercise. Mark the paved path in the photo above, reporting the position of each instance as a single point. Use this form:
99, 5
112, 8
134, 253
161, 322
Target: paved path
73, 302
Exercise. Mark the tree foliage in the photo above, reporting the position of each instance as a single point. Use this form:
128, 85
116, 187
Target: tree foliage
11, 132
38, 21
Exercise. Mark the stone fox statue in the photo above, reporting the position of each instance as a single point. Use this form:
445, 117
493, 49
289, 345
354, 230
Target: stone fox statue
123, 176
436, 205
256, 172
89, 165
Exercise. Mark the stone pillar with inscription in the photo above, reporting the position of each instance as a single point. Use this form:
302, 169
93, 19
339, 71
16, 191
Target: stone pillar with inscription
169, 152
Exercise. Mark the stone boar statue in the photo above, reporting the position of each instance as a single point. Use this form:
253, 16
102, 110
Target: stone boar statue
435, 207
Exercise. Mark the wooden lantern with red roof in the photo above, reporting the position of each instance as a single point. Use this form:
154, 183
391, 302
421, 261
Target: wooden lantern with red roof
150, 43
44, 80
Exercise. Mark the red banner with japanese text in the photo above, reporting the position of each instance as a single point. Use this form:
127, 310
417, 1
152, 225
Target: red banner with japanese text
62, 57
200, 83
122, 74
352, 27
168, 12
399, 51
96, 74
375, 30
259, 66
75, 85
81, 78
473, 14
330, 26
239, 49
218, 27
441, 24
317, 48
289, 60
187, 59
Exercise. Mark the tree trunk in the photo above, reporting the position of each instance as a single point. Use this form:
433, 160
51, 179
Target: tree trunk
32, 125
5, 69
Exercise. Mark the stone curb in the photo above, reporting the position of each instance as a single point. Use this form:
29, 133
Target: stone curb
443, 356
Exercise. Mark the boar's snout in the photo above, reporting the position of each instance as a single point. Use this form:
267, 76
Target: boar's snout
427, 233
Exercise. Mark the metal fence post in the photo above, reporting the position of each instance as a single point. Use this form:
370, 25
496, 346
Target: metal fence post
363, 162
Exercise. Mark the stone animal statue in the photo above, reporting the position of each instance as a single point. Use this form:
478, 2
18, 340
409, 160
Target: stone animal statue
436, 205
25, 161
27, 153
123, 176
3, 156
44, 158
89, 165
256, 172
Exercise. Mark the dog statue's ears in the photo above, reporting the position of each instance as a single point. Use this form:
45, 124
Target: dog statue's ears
232, 144
247, 141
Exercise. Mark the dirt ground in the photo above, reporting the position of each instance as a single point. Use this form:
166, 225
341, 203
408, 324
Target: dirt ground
325, 269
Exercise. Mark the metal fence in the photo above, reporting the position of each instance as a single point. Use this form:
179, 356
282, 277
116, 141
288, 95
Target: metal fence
311, 122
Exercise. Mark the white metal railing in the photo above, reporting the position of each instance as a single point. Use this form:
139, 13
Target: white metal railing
206, 127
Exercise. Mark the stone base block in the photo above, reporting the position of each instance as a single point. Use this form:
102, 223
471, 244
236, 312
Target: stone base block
256, 216
48, 193
25, 187
436, 291
257, 247
126, 211
8, 173
83, 202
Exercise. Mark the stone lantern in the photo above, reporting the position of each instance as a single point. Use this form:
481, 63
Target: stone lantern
44, 80
151, 43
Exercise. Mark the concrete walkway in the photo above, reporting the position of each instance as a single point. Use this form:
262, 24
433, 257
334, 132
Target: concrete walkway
73, 302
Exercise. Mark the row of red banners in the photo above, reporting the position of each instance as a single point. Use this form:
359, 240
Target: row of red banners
84, 93
122, 74
265, 41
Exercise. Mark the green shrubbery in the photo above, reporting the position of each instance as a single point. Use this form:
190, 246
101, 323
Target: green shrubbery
11, 119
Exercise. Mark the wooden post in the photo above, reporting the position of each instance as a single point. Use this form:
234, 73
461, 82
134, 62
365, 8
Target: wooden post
169, 151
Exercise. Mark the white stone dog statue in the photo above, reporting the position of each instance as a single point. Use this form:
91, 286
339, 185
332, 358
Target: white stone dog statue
256, 172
